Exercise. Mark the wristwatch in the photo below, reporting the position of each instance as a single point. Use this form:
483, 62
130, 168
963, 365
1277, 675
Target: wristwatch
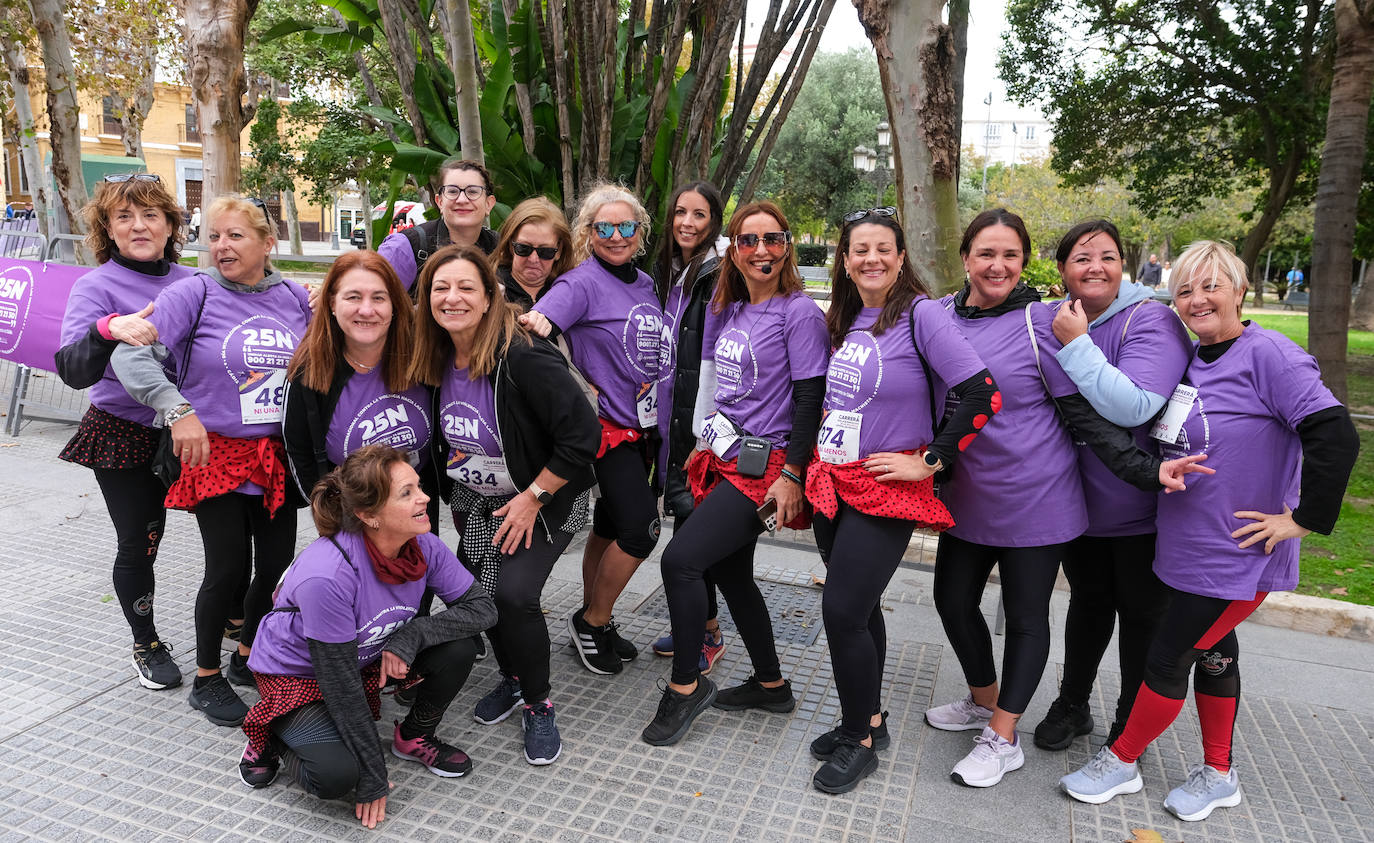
932, 460
177, 413
544, 496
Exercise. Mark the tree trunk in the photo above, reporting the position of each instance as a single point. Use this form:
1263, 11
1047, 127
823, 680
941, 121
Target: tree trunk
215, 30
402, 49
916, 62
64, 116
522, 89
658, 103
17, 65
136, 108
1338, 189
461, 53
293, 220
1282, 177
558, 37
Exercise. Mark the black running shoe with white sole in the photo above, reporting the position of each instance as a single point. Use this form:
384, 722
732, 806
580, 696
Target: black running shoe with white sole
594, 645
218, 702
154, 666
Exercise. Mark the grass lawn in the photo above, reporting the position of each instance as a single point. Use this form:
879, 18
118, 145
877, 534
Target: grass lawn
1341, 565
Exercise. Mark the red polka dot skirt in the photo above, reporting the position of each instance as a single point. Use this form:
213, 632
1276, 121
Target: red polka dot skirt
233, 462
284, 694
827, 484
705, 470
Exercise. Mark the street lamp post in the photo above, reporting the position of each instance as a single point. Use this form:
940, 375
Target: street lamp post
877, 164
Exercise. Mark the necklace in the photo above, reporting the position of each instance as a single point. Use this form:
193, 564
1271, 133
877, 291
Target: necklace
366, 369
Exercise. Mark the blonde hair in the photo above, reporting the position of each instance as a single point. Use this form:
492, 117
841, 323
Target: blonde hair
1213, 260
536, 210
601, 195
256, 218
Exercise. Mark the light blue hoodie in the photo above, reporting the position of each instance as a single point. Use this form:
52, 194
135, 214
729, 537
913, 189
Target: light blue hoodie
1106, 387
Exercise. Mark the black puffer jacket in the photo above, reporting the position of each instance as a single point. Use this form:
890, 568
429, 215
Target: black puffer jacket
677, 498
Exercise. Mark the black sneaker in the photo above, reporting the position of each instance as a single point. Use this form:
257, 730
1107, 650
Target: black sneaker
824, 746
1065, 721
259, 770
849, 764
238, 672
154, 666
753, 695
499, 702
594, 645
623, 649
676, 713
218, 702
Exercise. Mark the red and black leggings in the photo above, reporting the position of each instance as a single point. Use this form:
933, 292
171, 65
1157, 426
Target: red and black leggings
1197, 635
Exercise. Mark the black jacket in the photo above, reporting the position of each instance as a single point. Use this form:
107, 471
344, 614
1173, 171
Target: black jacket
543, 422
305, 427
429, 237
677, 499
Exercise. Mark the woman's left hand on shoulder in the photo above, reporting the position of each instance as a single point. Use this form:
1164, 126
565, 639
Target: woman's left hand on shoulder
1272, 529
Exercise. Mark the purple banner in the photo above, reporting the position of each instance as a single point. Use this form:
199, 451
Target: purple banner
33, 297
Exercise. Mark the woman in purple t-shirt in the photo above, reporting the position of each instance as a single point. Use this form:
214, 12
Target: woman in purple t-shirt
608, 313
231, 330
344, 622
517, 439
136, 235
1283, 448
871, 480
761, 398
997, 496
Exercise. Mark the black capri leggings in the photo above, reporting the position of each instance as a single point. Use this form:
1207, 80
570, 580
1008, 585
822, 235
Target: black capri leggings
862, 553
328, 768
1028, 575
719, 537
627, 511
239, 536
134, 498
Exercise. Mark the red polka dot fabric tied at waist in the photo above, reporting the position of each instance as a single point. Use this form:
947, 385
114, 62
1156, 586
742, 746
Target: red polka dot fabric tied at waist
233, 462
827, 484
705, 470
613, 435
282, 695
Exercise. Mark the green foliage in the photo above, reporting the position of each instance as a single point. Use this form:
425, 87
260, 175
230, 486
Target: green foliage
1041, 273
811, 254
273, 167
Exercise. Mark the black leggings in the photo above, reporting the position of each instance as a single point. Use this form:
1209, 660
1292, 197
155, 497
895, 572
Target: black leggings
712, 605
627, 511
719, 537
134, 498
328, 768
1110, 576
238, 535
862, 553
1028, 575
520, 639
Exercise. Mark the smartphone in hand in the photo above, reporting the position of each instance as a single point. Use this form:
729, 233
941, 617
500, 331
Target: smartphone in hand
768, 514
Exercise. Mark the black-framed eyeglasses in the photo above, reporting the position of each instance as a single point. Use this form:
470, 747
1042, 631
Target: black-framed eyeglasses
262, 206
607, 230
770, 240
473, 192
524, 250
120, 178
885, 211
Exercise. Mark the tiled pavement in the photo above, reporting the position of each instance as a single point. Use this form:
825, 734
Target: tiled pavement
86, 753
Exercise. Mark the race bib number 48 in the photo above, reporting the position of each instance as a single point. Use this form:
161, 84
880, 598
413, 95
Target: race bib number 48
261, 397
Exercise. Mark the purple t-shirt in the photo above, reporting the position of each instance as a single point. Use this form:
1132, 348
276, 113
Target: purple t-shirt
1149, 344
111, 288
881, 376
759, 350
368, 414
1019, 486
396, 249
342, 600
615, 330
1245, 420
243, 342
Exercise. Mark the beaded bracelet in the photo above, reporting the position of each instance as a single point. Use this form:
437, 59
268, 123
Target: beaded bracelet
790, 476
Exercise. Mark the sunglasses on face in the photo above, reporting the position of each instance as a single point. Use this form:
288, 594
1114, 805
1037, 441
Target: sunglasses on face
770, 239
546, 253
473, 192
120, 178
885, 211
607, 230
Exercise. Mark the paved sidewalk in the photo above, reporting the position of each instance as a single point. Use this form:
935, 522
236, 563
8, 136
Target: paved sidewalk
86, 753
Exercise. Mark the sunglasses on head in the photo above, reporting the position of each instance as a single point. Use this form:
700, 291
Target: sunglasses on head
607, 230
261, 206
546, 253
885, 211
771, 240
120, 178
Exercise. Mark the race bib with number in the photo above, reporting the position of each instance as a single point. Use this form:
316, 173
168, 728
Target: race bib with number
838, 440
719, 434
261, 397
646, 405
482, 474
1167, 428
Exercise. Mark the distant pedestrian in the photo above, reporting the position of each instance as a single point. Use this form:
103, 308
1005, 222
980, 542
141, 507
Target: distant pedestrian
1166, 274
1296, 280
1151, 272
195, 224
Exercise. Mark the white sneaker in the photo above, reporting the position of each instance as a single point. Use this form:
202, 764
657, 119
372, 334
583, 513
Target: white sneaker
1204, 790
961, 716
993, 756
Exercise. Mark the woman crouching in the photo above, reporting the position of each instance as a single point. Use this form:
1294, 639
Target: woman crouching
320, 677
